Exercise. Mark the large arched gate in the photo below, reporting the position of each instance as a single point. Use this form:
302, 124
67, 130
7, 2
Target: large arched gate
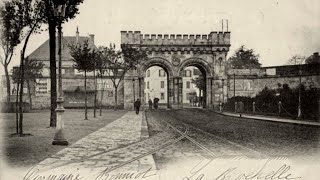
173, 53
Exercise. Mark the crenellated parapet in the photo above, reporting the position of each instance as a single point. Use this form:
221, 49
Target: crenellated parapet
212, 39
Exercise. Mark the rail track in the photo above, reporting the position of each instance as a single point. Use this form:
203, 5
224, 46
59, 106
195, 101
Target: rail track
182, 129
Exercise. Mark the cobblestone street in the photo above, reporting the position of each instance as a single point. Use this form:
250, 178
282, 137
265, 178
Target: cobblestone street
151, 145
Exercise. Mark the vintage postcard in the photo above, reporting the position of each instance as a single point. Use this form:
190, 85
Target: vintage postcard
160, 90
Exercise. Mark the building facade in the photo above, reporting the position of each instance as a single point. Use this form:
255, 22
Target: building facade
72, 79
156, 84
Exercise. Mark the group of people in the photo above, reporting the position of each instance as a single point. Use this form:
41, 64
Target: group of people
137, 104
154, 103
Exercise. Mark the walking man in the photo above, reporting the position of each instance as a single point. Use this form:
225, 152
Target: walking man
150, 104
137, 105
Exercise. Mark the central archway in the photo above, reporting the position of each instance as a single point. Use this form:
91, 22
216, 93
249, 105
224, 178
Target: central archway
168, 69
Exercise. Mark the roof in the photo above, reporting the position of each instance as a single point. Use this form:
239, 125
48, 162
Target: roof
42, 52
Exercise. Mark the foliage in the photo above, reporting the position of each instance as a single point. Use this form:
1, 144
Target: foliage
199, 82
117, 63
83, 56
11, 29
244, 58
132, 57
296, 60
33, 70
267, 101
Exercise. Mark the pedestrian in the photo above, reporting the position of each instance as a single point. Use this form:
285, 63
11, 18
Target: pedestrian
155, 103
137, 105
150, 104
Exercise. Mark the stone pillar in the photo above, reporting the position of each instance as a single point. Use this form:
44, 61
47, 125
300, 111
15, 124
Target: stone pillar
209, 93
175, 90
180, 93
170, 92
128, 92
213, 92
141, 90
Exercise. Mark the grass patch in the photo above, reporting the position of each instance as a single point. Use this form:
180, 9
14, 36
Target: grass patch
29, 150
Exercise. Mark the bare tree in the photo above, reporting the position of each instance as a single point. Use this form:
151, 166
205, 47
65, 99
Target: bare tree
296, 60
120, 62
83, 56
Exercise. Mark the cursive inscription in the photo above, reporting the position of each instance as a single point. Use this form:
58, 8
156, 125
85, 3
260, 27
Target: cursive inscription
33, 174
106, 174
234, 173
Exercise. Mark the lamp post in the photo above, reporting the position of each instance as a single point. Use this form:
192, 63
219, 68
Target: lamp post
299, 100
59, 8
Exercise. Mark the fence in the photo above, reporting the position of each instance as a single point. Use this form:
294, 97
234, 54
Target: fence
283, 102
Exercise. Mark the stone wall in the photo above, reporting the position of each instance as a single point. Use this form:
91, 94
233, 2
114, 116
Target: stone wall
249, 82
69, 85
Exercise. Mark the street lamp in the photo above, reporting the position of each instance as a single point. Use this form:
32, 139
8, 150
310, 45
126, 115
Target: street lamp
299, 100
59, 8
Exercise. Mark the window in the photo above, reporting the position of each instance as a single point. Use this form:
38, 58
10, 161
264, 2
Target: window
148, 73
162, 73
187, 73
162, 84
148, 85
188, 84
162, 96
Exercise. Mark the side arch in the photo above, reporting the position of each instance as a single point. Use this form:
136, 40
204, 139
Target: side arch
156, 61
197, 62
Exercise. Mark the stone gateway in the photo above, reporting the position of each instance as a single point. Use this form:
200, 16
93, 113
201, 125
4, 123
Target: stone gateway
173, 53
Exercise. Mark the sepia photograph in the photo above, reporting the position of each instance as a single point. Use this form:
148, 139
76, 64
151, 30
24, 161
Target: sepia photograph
159, 90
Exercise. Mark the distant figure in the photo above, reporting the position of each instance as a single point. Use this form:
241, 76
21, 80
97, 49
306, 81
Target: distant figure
150, 104
155, 103
137, 105
240, 108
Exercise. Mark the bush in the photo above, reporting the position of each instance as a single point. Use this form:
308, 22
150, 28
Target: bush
267, 100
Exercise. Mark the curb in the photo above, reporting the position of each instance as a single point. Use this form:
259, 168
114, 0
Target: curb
144, 126
269, 119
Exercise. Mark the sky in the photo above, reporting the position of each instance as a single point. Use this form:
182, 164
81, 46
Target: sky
275, 29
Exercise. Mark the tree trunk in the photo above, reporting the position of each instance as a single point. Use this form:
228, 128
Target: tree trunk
101, 98
21, 95
85, 96
8, 83
95, 93
29, 93
53, 71
115, 98
16, 109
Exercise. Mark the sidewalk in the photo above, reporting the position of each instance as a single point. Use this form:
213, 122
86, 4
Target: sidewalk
107, 148
268, 118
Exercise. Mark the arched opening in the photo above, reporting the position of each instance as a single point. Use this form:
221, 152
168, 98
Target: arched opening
156, 85
194, 90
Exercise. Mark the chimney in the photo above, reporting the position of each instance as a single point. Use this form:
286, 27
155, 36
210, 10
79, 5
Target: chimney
77, 36
91, 36
316, 54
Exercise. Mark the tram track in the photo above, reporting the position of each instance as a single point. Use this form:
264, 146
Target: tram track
152, 151
178, 127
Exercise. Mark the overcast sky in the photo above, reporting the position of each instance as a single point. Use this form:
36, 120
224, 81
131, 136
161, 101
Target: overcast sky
275, 29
